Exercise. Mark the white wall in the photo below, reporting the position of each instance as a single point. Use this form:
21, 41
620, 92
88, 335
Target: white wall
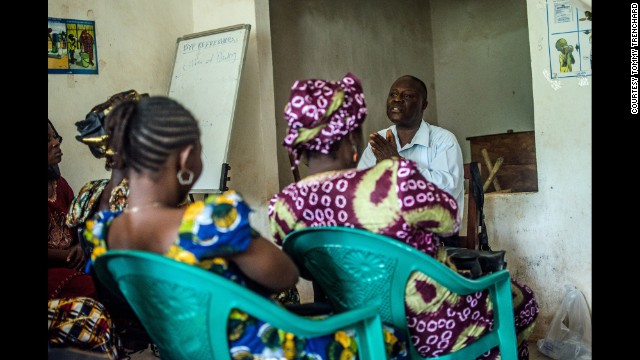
548, 234
136, 48
134, 52
481, 66
326, 39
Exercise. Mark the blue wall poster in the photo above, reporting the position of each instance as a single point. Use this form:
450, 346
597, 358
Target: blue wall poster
72, 47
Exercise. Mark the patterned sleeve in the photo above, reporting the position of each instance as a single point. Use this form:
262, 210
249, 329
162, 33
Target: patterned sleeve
274, 219
423, 204
85, 202
217, 226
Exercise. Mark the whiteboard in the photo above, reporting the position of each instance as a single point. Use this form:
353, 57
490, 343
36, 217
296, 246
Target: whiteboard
205, 80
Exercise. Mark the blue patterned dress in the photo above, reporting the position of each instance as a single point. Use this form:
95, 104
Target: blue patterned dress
219, 227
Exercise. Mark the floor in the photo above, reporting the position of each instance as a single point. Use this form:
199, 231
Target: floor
534, 354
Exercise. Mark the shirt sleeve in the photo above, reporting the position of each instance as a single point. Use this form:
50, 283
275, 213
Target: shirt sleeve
367, 159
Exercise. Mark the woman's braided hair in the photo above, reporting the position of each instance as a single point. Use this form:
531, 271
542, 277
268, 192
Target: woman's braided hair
144, 133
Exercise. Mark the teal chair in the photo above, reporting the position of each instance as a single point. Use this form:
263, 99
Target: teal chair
185, 309
356, 268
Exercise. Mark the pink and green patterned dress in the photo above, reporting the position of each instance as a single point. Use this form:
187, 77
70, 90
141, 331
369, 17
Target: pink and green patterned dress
394, 199
210, 231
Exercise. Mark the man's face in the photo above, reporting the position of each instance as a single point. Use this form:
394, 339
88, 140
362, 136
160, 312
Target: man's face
405, 102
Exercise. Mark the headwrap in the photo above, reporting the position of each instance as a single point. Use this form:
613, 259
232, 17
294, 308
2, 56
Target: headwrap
92, 130
320, 113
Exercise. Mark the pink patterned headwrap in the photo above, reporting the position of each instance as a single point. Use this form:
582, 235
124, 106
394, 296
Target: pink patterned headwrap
320, 113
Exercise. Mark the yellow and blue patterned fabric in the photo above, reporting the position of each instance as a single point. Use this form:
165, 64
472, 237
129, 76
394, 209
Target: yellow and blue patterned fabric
218, 227
86, 202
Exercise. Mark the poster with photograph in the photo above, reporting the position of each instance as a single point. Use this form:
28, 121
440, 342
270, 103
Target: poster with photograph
72, 47
569, 30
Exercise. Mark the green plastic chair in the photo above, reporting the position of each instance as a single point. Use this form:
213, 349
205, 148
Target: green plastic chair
185, 309
356, 268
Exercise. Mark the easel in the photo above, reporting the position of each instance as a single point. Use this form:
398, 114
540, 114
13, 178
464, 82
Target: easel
294, 168
224, 177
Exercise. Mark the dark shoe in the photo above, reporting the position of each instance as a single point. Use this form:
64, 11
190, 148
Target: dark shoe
491, 261
475, 263
466, 261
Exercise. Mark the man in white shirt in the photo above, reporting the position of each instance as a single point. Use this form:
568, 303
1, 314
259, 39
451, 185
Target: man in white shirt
434, 149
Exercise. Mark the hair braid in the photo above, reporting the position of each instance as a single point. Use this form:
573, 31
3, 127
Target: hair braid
116, 124
150, 130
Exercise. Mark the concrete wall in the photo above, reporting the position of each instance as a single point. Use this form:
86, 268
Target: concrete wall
136, 47
326, 39
482, 67
489, 63
548, 234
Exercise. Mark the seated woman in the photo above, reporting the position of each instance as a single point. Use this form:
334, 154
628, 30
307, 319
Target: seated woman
65, 257
103, 194
75, 318
107, 194
64, 250
162, 151
391, 198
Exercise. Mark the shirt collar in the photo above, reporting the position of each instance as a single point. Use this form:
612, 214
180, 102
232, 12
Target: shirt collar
420, 138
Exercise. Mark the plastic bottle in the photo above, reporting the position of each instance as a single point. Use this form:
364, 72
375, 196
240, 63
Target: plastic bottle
564, 350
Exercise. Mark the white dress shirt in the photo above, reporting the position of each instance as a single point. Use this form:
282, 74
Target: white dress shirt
438, 155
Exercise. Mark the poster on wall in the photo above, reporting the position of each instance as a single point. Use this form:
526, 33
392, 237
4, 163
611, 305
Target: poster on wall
72, 47
569, 34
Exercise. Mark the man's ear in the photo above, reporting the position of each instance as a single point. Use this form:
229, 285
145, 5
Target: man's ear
424, 105
184, 157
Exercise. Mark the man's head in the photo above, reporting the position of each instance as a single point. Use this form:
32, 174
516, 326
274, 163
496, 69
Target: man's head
407, 101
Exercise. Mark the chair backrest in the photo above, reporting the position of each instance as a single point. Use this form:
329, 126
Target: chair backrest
356, 267
185, 309
470, 241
